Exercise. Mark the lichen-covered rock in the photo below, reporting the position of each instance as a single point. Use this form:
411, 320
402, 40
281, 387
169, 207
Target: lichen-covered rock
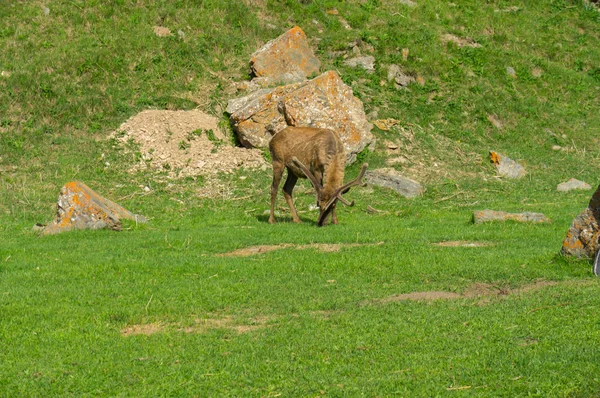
482, 216
390, 178
79, 207
506, 167
584, 233
284, 60
324, 102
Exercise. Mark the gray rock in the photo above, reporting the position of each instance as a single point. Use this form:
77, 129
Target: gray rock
392, 179
366, 62
506, 167
400, 79
573, 184
482, 216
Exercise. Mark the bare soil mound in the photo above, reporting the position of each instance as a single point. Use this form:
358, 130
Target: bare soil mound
184, 143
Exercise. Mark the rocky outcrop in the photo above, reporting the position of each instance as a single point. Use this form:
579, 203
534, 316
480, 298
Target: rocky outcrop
584, 233
79, 207
390, 178
482, 216
324, 102
284, 60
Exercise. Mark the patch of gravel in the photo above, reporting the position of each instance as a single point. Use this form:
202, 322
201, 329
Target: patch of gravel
185, 143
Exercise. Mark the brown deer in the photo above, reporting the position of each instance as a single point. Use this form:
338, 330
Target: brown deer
313, 153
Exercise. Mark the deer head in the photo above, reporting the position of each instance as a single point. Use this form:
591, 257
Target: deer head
327, 197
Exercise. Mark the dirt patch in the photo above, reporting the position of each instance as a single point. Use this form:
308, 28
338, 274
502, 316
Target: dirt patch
322, 247
462, 243
227, 322
147, 329
201, 325
476, 290
184, 143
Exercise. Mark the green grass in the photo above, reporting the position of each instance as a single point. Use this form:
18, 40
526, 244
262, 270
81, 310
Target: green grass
298, 322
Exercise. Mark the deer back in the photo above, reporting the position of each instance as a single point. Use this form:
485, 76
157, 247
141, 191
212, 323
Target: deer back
321, 150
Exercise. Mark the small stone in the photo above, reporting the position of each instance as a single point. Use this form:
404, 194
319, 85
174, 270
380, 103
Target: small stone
572, 184
482, 216
510, 71
405, 52
392, 179
556, 147
181, 34
385, 124
506, 167
46, 11
367, 63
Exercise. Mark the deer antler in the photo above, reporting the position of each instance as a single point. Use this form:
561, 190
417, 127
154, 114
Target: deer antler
346, 187
316, 184
338, 194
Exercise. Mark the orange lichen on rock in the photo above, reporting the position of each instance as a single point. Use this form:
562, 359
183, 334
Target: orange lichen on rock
285, 59
494, 157
583, 236
323, 102
79, 207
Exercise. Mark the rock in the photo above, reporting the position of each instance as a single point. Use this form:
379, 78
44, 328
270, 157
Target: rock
391, 178
572, 184
584, 233
506, 167
386, 124
79, 207
496, 122
409, 3
324, 102
400, 79
482, 216
284, 60
367, 63
460, 41
510, 71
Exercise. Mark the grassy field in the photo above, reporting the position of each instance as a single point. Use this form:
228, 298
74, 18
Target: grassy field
168, 309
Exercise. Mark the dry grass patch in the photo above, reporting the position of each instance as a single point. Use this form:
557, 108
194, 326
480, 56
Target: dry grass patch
476, 290
322, 247
462, 243
146, 329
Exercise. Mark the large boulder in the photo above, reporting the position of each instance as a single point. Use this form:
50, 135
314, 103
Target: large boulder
324, 102
584, 233
79, 207
284, 60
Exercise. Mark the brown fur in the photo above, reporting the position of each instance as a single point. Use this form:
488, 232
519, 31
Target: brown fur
321, 152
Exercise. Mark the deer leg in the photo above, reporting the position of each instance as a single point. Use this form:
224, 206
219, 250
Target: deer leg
334, 219
277, 174
288, 187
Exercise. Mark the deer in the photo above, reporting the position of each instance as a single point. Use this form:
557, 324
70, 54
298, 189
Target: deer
317, 154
